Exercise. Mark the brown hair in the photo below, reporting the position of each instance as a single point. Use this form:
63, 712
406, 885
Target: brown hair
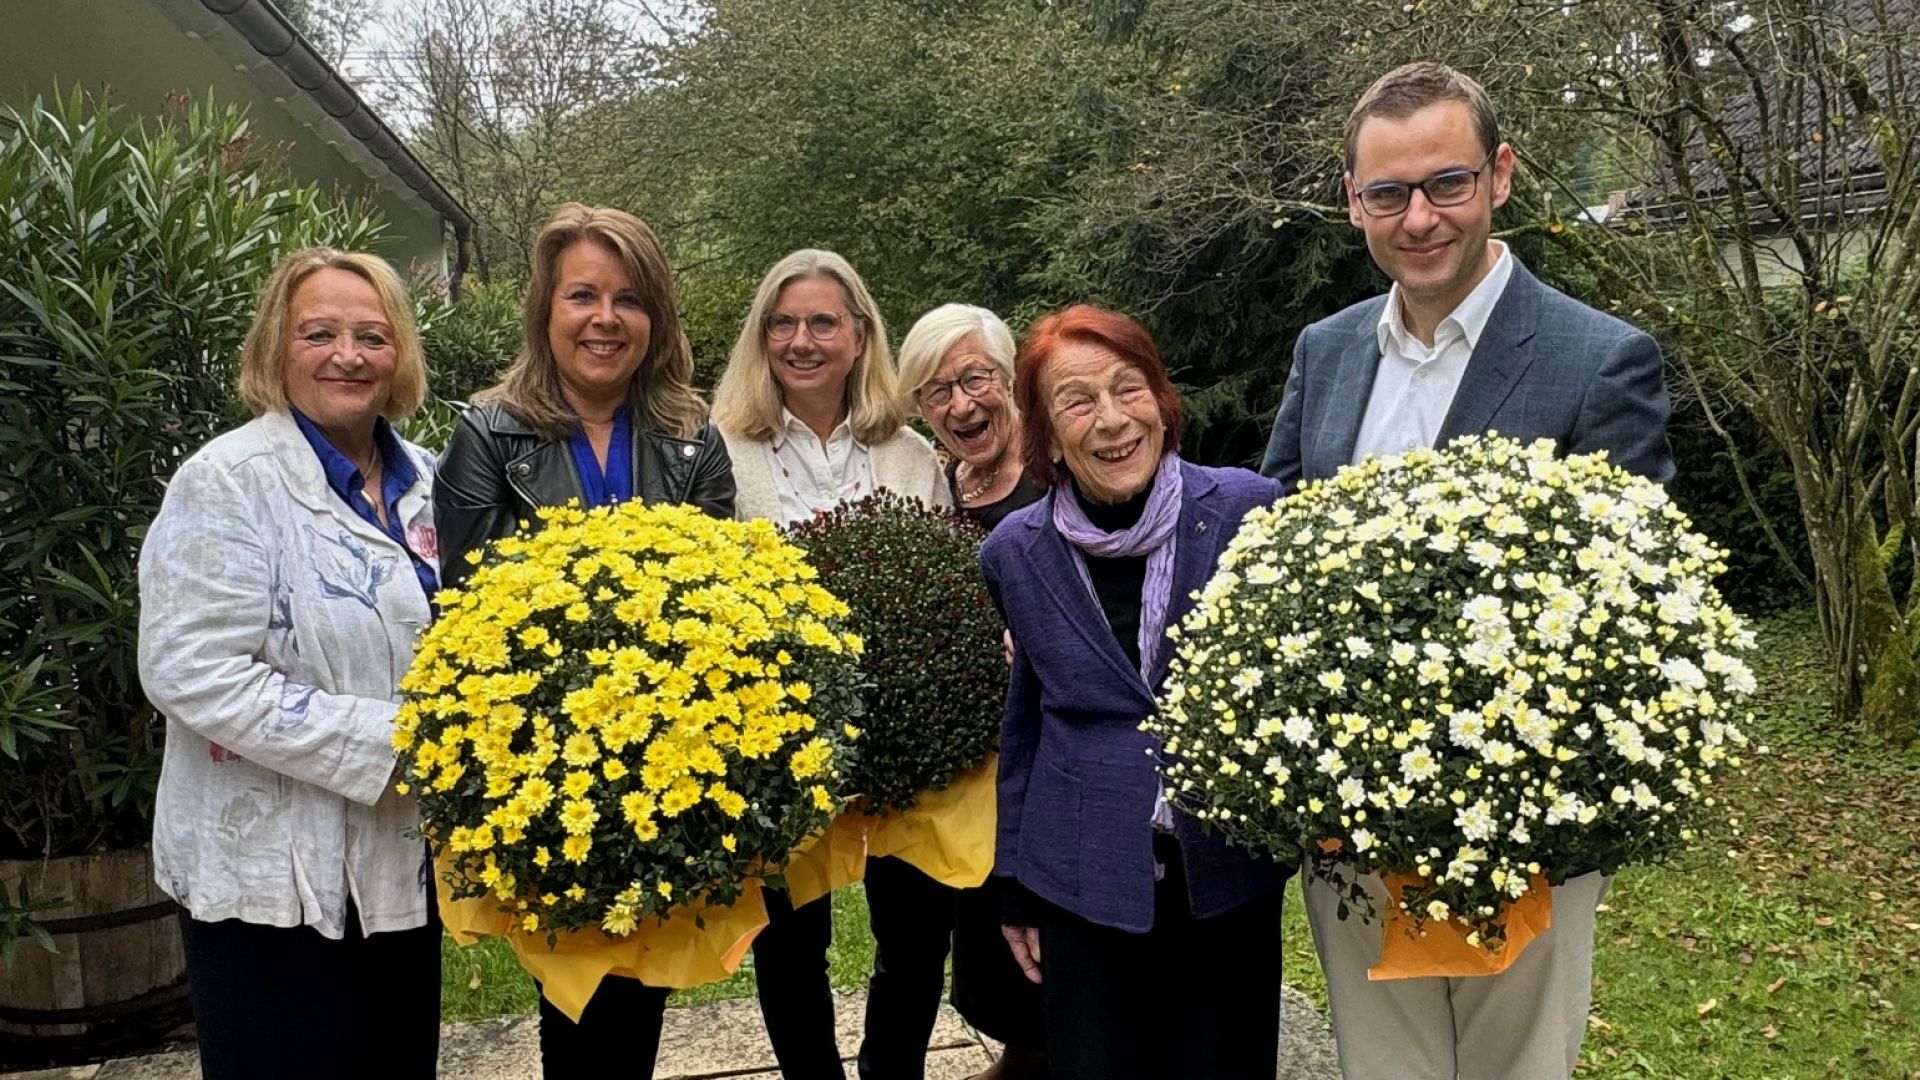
1411, 87
661, 395
1087, 325
263, 359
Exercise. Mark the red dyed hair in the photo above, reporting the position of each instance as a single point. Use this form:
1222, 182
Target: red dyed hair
1087, 325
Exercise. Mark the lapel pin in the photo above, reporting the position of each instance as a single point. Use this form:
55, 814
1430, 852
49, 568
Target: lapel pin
1199, 526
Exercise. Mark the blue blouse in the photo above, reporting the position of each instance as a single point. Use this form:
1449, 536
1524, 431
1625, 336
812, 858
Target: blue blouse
397, 476
614, 483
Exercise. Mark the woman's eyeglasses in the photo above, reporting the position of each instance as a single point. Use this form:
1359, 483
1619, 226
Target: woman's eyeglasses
972, 382
821, 326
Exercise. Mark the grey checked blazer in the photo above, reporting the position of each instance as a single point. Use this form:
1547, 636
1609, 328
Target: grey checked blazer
1546, 366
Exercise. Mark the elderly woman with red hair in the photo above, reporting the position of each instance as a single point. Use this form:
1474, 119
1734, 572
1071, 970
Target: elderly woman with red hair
1157, 946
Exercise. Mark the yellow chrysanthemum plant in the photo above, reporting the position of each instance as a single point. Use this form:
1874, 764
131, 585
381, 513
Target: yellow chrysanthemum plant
628, 713
1476, 671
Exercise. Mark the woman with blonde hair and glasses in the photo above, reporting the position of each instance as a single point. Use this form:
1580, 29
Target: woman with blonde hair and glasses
812, 414
282, 586
598, 408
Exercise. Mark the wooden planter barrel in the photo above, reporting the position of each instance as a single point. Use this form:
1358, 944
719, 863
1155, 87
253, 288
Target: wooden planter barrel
118, 980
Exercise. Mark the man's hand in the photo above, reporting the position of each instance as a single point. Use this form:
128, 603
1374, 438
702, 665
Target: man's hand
1025, 943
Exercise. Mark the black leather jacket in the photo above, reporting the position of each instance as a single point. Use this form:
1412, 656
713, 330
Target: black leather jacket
497, 472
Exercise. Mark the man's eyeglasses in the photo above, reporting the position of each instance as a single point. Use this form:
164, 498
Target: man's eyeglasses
972, 382
1451, 188
821, 326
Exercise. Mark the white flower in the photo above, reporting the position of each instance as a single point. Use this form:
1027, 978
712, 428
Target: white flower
1565, 807
1363, 840
1334, 680
1358, 648
1485, 555
1298, 730
1351, 791
1683, 673
1330, 762
1484, 610
1475, 822
1498, 753
1555, 628
1401, 653
1418, 765
1467, 728
1247, 681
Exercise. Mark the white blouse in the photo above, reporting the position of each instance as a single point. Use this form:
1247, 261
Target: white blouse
812, 478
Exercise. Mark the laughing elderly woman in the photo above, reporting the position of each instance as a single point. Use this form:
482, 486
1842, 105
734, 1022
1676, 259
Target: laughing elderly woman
1157, 947
281, 589
957, 363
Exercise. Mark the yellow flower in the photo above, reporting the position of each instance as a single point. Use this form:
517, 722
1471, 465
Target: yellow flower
613, 768
729, 801
577, 817
577, 783
618, 921
575, 849
810, 760
822, 799
729, 842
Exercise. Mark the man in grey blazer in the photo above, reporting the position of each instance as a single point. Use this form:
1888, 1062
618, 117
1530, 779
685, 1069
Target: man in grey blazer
1466, 342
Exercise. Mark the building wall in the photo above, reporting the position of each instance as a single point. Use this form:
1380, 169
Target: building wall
144, 50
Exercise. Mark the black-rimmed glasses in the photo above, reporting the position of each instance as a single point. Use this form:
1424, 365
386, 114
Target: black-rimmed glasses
1451, 188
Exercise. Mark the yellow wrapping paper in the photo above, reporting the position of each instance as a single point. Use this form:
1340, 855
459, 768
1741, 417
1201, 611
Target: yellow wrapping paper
675, 952
833, 859
1440, 948
947, 835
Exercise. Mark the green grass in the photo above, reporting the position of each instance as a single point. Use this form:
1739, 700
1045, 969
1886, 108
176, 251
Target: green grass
1789, 950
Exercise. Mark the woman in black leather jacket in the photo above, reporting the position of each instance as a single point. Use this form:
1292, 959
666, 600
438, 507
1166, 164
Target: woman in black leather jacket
599, 408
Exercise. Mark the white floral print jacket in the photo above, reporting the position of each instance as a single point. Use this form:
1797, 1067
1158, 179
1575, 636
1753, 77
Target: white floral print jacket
275, 624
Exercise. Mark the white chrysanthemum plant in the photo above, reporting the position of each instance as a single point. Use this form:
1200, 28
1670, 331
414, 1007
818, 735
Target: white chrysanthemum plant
1486, 668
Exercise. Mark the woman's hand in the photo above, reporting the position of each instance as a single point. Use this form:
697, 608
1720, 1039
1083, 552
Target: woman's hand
1025, 943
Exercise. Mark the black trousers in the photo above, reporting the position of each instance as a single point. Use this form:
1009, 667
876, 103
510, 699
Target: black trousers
790, 977
289, 1003
1190, 999
989, 990
912, 919
618, 1034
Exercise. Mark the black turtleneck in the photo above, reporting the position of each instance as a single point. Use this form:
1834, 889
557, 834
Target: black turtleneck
1118, 582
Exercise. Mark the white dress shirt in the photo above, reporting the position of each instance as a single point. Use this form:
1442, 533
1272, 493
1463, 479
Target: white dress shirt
1414, 386
812, 478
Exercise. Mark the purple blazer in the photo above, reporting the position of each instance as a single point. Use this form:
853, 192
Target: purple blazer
1076, 784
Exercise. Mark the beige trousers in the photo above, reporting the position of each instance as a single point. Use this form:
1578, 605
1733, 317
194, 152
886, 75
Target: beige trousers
1525, 1023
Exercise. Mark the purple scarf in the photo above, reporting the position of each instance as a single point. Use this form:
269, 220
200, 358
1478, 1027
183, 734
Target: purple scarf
1152, 536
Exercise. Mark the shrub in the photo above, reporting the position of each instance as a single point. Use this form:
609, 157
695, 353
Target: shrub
129, 258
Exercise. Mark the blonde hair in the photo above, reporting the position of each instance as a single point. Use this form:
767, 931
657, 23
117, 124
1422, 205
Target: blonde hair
747, 401
661, 394
938, 331
263, 359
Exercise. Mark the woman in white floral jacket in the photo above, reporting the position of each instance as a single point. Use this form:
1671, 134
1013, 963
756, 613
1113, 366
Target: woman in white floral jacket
282, 587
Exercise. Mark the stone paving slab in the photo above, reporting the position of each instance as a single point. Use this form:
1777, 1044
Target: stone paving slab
722, 1040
